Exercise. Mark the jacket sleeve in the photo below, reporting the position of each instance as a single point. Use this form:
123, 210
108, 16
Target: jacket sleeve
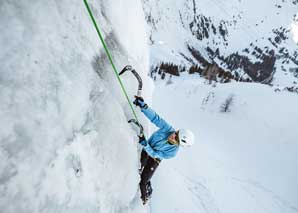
157, 120
158, 154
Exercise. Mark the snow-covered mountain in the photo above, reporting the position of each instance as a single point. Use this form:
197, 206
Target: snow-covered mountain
253, 40
66, 146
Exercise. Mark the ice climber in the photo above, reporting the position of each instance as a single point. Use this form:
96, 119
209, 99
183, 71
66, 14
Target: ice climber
163, 144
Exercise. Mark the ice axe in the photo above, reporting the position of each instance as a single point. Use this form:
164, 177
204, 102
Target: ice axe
139, 125
138, 77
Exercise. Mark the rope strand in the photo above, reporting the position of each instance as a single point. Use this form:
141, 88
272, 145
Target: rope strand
110, 58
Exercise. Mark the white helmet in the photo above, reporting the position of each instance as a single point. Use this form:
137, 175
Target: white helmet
186, 137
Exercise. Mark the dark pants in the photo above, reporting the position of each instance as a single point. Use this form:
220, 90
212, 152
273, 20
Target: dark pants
148, 167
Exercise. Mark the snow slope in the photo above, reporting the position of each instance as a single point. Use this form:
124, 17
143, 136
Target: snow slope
244, 160
64, 135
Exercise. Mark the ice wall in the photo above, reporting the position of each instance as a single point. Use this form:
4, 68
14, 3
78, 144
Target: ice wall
65, 145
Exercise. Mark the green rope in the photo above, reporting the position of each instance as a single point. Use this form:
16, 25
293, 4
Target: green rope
110, 58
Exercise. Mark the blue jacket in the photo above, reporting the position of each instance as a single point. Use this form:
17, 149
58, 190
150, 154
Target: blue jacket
157, 145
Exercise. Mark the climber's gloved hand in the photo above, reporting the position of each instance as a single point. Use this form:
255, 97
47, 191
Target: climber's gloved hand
139, 101
142, 140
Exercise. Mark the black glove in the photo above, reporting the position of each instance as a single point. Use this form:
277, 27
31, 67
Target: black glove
142, 140
139, 101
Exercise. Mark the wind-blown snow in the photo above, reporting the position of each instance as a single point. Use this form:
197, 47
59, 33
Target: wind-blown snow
65, 145
244, 160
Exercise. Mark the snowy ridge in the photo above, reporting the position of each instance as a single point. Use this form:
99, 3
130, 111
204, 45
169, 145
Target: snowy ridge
64, 135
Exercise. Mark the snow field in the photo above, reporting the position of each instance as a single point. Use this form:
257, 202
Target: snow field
243, 160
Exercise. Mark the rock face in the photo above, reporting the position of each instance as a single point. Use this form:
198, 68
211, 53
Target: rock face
259, 49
